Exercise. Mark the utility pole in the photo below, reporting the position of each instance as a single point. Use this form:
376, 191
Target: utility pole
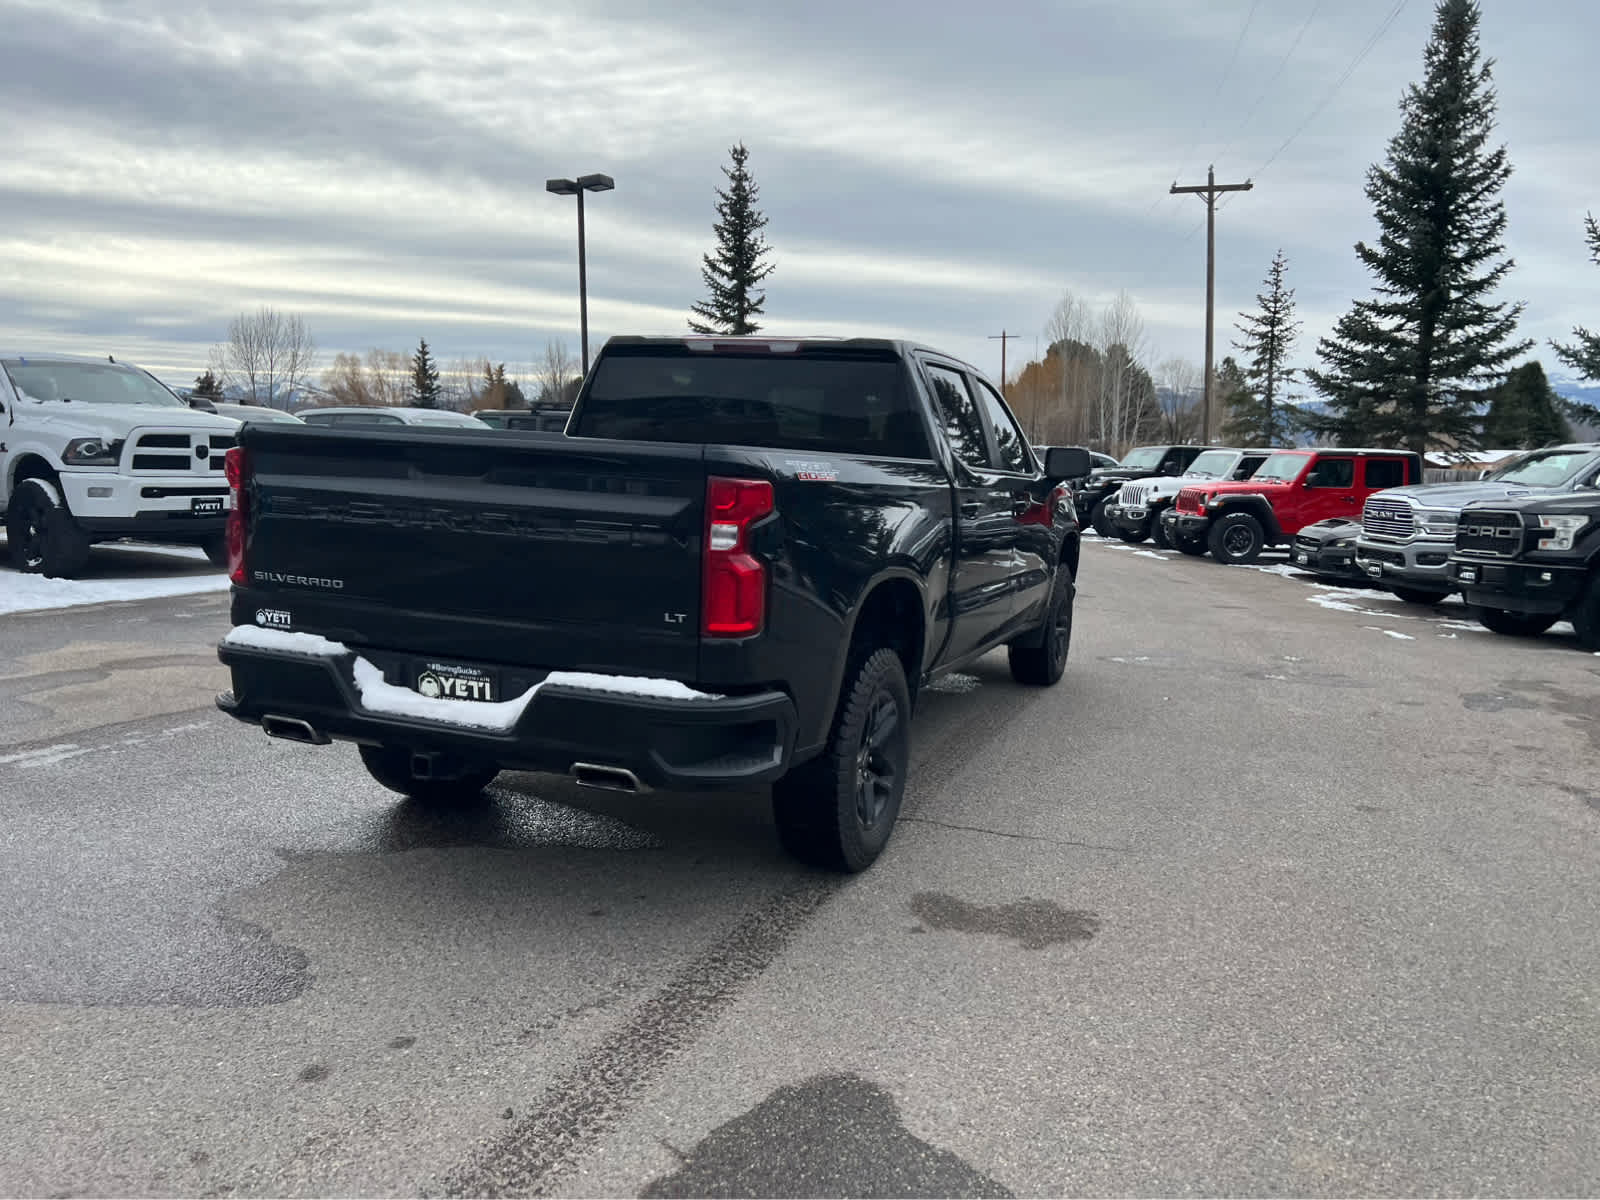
1209, 192
1003, 337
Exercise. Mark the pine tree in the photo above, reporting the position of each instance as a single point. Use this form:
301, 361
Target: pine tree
1233, 388
1524, 412
1257, 414
1405, 367
424, 377
1583, 356
733, 271
207, 385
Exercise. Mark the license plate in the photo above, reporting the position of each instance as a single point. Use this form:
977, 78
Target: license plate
1373, 569
1302, 557
1469, 574
452, 681
1133, 514
205, 506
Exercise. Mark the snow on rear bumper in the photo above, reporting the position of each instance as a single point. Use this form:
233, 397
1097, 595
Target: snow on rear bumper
673, 740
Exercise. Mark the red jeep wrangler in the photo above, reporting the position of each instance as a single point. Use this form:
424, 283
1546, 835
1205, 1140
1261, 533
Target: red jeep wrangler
1293, 488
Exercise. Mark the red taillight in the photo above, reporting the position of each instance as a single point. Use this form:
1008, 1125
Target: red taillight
236, 467
733, 602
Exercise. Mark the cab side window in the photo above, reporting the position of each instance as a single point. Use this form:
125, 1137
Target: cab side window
1385, 472
1332, 473
1008, 442
958, 413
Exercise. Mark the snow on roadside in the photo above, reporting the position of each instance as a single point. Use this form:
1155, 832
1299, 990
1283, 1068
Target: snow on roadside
1404, 637
112, 578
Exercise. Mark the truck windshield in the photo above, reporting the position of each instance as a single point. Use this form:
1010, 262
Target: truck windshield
1544, 470
86, 383
1280, 468
1213, 464
811, 401
1143, 458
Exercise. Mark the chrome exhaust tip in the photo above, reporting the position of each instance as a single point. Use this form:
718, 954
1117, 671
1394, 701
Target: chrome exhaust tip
608, 779
294, 729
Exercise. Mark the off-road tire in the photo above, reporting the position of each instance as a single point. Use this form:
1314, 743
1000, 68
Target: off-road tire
391, 766
1418, 595
216, 548
1586, 613
838, 810
1193, 547
1134, 537
1514, 624
1100, 522
1042, 665
44, 537
1236, 538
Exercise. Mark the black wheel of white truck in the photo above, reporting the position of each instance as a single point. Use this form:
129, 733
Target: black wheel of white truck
1042, 665
43, 536
838, 810
391, 766
216, 548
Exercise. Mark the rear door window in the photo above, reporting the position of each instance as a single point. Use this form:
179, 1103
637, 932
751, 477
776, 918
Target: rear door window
958, 412
1385, 472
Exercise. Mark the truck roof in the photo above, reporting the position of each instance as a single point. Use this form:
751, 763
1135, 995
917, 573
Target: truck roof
899, 346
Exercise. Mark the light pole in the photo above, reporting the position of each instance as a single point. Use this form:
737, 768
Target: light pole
577, 187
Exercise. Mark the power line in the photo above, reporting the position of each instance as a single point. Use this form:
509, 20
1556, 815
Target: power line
1394, 14
1266, 88
1212, 107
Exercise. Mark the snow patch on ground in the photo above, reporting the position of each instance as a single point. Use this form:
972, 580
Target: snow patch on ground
105, 581
46, 756
1151, 554
1404, 637
1142, 658
955, 684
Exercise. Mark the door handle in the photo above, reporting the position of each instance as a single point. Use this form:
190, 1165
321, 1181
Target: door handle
970, 508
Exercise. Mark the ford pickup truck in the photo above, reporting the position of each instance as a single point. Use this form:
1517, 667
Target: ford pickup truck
1407, 533
739, 567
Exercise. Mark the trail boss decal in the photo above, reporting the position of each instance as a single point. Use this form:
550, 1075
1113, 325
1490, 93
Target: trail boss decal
811, 471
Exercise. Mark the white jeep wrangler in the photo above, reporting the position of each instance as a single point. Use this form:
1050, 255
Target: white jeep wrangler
1135, 511
92, 449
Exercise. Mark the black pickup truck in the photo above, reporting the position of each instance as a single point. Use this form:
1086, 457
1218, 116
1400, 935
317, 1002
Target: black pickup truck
1525, 564
739, 567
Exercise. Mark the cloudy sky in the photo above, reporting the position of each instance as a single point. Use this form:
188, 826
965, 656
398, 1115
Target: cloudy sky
930, 169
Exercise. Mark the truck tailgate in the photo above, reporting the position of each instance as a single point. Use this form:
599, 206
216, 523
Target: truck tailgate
516, 548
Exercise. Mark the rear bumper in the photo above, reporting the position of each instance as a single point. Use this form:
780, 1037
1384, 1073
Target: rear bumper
1517, 587
1419, 564
698, 744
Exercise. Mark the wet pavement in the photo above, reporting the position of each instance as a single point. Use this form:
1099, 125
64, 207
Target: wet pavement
1286, 888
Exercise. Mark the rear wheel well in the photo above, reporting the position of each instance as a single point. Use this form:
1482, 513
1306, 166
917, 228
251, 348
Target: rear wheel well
892, 616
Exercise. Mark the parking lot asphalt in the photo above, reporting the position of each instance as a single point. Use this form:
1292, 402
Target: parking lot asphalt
1286, 888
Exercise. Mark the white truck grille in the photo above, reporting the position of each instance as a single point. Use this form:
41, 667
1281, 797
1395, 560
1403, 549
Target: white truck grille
176, 451
1387, 518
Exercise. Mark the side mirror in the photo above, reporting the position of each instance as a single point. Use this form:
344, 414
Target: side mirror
1067, 462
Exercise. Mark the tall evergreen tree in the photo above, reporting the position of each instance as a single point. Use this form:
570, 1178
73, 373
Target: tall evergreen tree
1405, 367
1583, 355
732, 272
1232, 388
424, 377
1257, 414
208, 386
1524, 412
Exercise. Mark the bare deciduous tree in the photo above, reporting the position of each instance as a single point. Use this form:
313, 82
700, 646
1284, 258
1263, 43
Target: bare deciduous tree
556, 372
1179, 394
382, 379
269, 354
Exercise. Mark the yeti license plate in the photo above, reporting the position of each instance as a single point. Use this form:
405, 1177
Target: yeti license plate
1300, 556
1374, 570
452, 681
206, 506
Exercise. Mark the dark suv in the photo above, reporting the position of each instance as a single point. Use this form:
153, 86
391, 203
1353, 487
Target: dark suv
1092, 495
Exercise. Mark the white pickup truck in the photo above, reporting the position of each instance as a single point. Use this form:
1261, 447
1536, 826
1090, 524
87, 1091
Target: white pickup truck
93, 449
